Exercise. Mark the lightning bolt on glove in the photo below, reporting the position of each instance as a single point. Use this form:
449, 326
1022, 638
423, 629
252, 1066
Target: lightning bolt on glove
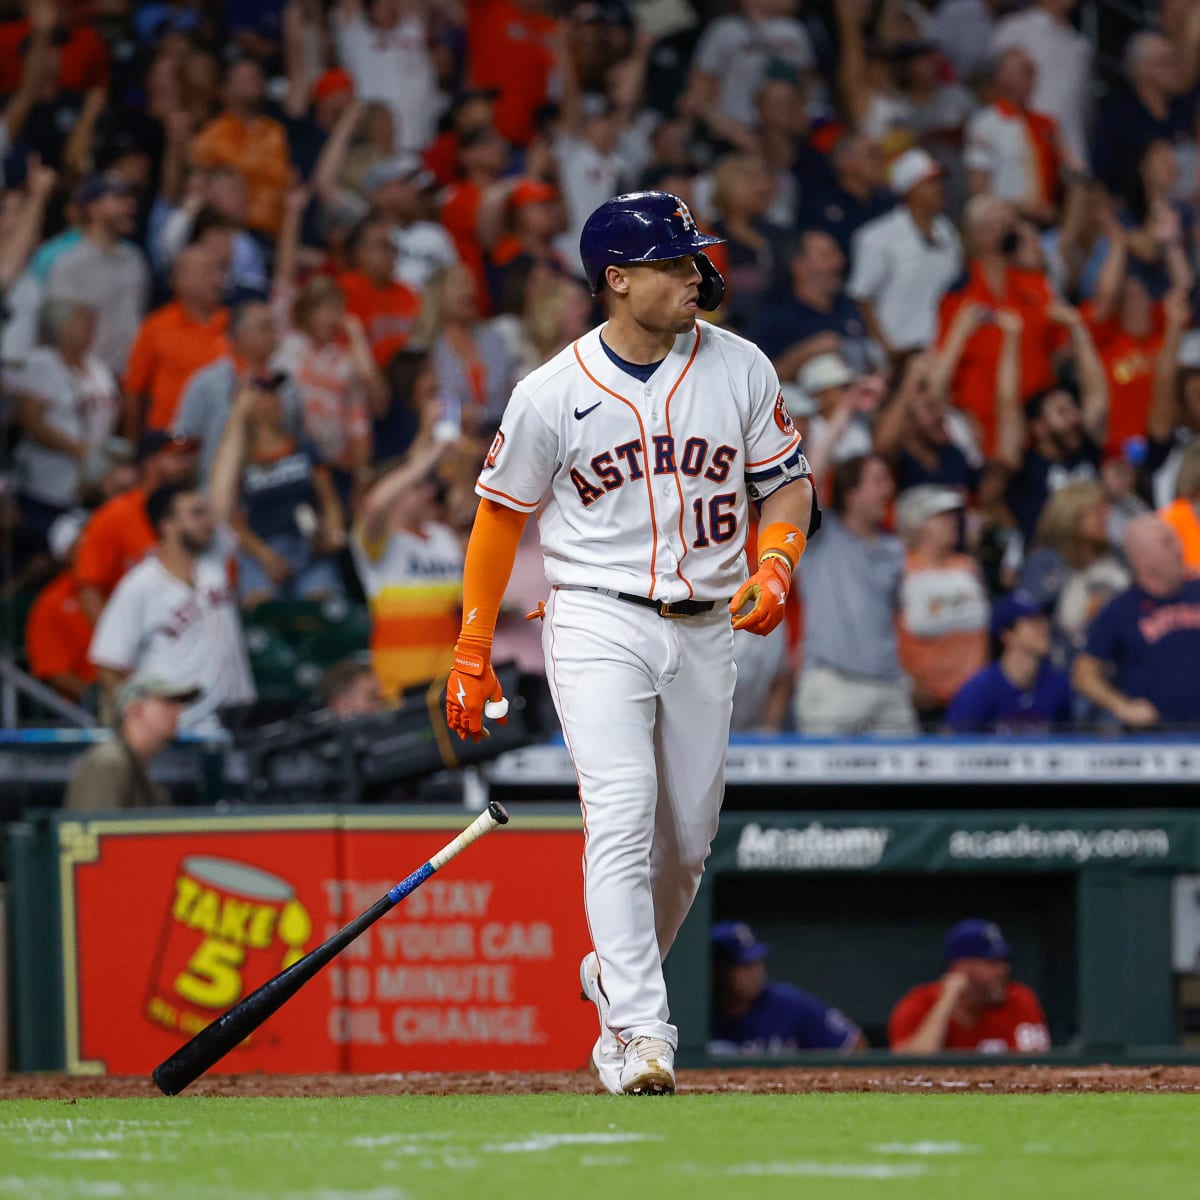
471, 684
779, 549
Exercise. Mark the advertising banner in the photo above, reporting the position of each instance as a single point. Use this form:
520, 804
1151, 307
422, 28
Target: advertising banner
1036, 841
168, 922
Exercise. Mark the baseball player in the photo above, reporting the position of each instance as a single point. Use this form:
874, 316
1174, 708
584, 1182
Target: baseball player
640, 448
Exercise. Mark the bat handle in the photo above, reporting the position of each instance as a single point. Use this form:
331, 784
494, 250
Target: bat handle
487, 820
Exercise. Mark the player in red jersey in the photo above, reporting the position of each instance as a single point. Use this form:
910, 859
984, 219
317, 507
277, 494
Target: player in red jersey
974, 1006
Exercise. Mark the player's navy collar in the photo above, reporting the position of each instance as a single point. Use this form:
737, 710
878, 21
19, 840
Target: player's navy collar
640, 371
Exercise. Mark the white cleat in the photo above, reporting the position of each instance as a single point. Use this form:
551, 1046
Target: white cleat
607, 1059
649, 1068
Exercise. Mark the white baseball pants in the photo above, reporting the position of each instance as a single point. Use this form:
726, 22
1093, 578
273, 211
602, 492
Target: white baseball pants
645, 703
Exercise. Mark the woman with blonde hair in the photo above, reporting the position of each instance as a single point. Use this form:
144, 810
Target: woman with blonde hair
1183, 514
1073, 569
555, 316
470, 359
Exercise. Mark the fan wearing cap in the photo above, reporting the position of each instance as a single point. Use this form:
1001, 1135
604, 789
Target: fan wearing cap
838, 402
975, 1005
532, 219
57, 633
103, 269
1021, 689
310, 112
943, 619
906, 261
114, 774
398, 191
757, 1016
120, 535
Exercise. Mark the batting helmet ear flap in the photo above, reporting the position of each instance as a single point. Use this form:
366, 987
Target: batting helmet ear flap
712, 284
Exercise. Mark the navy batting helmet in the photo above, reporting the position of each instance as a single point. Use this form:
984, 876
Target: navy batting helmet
643, 227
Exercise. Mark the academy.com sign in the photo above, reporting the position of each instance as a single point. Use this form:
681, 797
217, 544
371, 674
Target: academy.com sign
1070, 845
815, 847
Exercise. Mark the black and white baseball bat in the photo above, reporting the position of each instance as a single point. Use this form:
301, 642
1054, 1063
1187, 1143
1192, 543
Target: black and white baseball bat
216, 1040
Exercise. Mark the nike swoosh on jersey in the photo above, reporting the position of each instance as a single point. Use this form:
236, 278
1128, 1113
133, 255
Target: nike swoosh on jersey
580, 415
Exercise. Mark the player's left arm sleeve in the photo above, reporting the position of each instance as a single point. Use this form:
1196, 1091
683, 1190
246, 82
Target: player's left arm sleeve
774, 457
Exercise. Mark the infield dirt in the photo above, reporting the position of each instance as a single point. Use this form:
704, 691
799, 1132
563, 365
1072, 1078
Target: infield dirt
999, 1079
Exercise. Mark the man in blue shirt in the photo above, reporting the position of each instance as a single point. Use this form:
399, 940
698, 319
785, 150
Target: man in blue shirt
1021, 690
1142, 659
856, 194
815, 316
755, 1016
1159, 106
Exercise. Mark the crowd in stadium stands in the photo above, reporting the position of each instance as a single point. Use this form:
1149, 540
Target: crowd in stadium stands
271, 267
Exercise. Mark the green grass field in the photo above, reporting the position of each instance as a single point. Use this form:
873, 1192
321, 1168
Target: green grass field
729, 1146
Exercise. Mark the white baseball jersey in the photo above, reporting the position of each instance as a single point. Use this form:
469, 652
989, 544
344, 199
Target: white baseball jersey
642, 487
155, 624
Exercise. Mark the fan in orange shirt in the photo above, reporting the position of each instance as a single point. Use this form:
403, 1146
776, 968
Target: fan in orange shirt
1128, 327
996, 283
243, 137
482, 154
58, 633
174, 342
510, 47
388, 310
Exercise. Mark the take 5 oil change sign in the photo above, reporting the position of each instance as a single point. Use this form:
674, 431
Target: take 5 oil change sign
169, 922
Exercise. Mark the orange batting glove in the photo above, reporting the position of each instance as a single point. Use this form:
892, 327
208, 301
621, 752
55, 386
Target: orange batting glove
767, 589
472, 683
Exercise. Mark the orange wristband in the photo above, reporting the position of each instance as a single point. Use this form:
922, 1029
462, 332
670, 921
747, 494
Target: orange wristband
782, 540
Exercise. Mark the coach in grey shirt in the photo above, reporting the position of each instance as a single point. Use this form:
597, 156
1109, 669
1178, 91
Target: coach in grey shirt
208, 398
103, 270
852, 681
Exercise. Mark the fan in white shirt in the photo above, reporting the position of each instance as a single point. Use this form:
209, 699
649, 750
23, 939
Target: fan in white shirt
1064, 65
386, 50
67, 404
906, 261
175, 615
